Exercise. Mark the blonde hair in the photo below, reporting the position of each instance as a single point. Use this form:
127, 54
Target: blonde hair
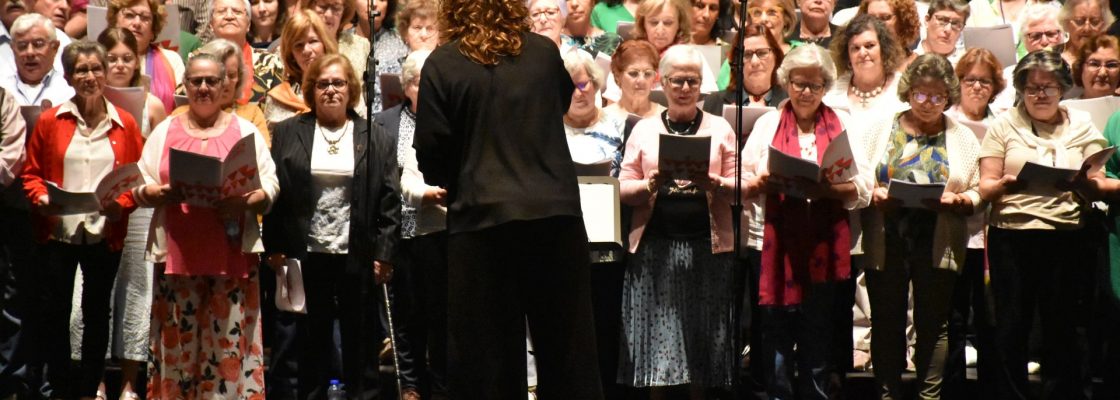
297, 27
684, 18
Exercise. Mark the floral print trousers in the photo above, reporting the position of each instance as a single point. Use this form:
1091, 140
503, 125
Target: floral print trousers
206, 338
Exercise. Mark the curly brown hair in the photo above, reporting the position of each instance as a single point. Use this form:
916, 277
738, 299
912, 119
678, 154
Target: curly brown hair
907, 20
1089, 46
485, 29
890, 50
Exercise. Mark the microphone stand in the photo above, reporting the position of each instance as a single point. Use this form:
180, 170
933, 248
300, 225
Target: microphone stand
737, 66
369, 77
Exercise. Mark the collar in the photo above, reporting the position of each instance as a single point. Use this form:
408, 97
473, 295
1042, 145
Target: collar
4, 35
765, 98
70, 108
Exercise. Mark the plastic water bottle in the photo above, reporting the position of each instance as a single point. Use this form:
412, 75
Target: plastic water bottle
336, 391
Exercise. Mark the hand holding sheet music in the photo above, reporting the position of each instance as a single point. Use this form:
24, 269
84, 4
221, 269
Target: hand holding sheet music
1043, 180
915, 195
682, 157
112, 186
203, 180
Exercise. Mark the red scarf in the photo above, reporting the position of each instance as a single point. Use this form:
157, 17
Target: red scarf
803, 242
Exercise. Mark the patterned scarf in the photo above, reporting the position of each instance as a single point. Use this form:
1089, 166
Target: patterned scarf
803, 242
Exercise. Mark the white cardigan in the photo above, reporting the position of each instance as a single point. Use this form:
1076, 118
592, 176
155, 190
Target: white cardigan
756, 156
951, 232
149, 164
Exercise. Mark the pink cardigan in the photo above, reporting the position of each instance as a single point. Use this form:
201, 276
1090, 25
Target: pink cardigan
641, 159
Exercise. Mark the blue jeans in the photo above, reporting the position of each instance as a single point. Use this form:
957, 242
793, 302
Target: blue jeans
809, 326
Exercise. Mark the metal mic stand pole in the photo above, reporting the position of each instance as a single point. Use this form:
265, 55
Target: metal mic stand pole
737, 65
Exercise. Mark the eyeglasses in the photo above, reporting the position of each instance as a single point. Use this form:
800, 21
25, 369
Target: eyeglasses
236, 12
548, 13
143, 17
1046, 91
1037, 36
37, 44
984, 83
680, 81
337, 84
125, 59
1087, 22
814, 88
1094, 65
198, 81
760, 53
335, 9
759, 12
946, 22
923, 97
583, 86
641, 73
93, 70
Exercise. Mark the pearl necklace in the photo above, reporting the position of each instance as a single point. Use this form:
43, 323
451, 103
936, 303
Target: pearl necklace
864, 97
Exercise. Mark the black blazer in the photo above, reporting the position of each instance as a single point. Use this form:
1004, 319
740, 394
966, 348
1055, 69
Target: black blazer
390, 119
375, 198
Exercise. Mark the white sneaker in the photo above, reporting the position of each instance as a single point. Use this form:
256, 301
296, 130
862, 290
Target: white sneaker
1033, 368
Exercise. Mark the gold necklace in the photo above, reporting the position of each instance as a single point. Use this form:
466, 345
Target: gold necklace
332, 145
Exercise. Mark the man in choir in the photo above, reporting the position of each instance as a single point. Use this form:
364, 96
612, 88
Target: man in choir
10, 10
36, 78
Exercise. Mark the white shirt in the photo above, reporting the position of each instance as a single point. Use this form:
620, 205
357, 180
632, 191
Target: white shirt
8, 57
88, 158
12, 135
53, 87
331, 177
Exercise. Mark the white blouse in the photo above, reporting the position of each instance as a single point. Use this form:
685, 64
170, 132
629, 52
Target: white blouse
88, 158
332, 171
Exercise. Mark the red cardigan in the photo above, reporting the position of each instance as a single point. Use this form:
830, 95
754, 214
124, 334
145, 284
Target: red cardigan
46, 150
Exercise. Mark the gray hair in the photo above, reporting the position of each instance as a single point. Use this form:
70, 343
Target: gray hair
248, 10
561, 4
200, 56
29, 20
223, 49
808, 56
930, 67
1035, 13
81, 48
1066, 14
576, 60
957, 6
413, 64
678, 56
1046, 61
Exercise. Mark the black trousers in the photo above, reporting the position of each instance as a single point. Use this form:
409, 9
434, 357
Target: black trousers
19, 374
970, 320
336, 290
99, 270
498, 277
606, 302
1044, 269
419, 302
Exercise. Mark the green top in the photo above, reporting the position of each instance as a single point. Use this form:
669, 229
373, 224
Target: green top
1112, 170
607, 17
188, 43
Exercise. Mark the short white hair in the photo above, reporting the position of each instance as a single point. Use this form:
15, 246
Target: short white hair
29, 20
248, 11
677, 56
1036, 13
561, 4
576, 60
808, 56
413, 64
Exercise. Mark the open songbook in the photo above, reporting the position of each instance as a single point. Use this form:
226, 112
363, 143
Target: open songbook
912, 195
204, 180
1043, 179
838, 163
131, 99
115, 183
680, 157
750, 116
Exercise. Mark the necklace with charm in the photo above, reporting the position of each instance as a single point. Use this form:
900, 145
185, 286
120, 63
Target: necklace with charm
332, 145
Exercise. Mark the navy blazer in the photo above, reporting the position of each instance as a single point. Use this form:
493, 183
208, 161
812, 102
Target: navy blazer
375, 197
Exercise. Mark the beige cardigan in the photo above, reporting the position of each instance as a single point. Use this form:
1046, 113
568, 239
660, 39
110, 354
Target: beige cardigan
951, 232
